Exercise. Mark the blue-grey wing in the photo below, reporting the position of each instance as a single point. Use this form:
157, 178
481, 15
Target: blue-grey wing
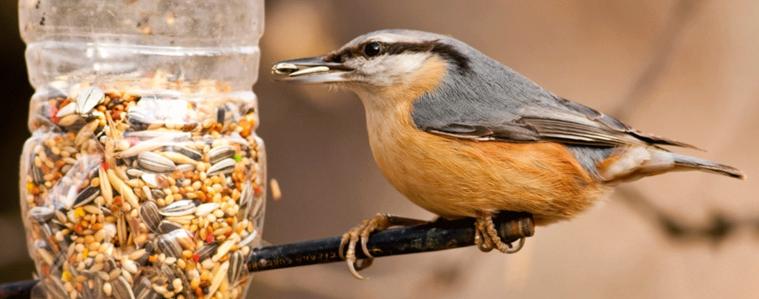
518, 110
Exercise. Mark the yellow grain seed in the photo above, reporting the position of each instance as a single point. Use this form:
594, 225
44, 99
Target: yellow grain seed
276, 192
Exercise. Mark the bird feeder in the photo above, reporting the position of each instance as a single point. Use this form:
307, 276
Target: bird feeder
143, 177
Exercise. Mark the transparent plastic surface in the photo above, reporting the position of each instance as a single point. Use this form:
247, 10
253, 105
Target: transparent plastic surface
143, 177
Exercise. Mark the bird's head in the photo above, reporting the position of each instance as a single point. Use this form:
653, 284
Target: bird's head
387, 61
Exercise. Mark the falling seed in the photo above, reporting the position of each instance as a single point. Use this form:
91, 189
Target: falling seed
276, 192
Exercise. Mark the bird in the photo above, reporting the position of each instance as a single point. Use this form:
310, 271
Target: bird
463, 135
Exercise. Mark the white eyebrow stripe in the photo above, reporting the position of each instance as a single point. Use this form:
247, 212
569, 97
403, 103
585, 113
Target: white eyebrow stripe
392, 38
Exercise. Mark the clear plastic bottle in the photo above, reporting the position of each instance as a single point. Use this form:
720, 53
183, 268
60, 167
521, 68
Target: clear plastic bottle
143, 177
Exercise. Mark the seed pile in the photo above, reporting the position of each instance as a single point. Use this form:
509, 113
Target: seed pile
129, 195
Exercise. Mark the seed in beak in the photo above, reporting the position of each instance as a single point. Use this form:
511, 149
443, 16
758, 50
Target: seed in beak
283, 68
311, 70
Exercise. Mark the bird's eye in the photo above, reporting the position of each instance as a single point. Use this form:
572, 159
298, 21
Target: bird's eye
372, 49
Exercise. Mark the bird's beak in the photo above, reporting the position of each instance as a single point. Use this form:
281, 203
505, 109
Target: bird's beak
311, 70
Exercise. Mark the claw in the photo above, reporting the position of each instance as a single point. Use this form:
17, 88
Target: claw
516, 249
361, 234
486, 236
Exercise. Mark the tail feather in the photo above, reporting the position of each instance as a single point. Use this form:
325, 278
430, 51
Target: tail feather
706, 165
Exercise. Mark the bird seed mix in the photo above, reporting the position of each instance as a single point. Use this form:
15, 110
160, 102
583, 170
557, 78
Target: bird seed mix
131, 193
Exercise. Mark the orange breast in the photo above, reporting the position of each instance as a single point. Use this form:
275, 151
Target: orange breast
454, 177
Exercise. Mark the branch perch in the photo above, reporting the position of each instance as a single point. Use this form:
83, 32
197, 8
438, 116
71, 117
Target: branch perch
438, 235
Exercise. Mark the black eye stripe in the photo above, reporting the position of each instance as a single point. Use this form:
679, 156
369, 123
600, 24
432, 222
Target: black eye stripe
446, 51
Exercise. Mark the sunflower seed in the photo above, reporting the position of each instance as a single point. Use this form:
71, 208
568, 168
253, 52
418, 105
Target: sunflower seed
88, 99
169, 246
155, 162
86, 196
205, 209
166, 226
41, 214
248, 240
69, 109
246, 201
284, 68
207, 251
121, 289
54, 287
236, 267
220, 115
92, 287
150, 216
178, 208
183, 238
222, 167
191, 153
37, 175
139, 119
220, 153
143, 290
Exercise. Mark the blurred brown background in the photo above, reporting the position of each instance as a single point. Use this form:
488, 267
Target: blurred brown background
684, 69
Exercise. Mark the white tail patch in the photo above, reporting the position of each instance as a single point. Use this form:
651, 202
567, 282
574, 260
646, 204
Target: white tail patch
637, 162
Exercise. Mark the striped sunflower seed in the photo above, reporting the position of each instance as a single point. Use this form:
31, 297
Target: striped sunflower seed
220, 153
222, 167
121, 288
155, 162
86, 196
166, 227
236, 267
41, 214
150, 216
179, 208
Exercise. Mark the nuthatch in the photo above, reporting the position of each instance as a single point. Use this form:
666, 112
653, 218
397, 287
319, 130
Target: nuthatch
462, 135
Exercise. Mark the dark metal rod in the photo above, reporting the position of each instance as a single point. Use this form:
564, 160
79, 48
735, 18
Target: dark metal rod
18, 289
438, 235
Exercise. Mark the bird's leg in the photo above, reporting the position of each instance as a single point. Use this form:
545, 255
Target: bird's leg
361, 234
486, 236
483, 241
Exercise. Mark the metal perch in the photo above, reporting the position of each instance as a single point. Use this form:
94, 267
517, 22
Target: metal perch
438, 235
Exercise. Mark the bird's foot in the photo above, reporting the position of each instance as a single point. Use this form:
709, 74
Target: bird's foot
361, 232
486, 236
